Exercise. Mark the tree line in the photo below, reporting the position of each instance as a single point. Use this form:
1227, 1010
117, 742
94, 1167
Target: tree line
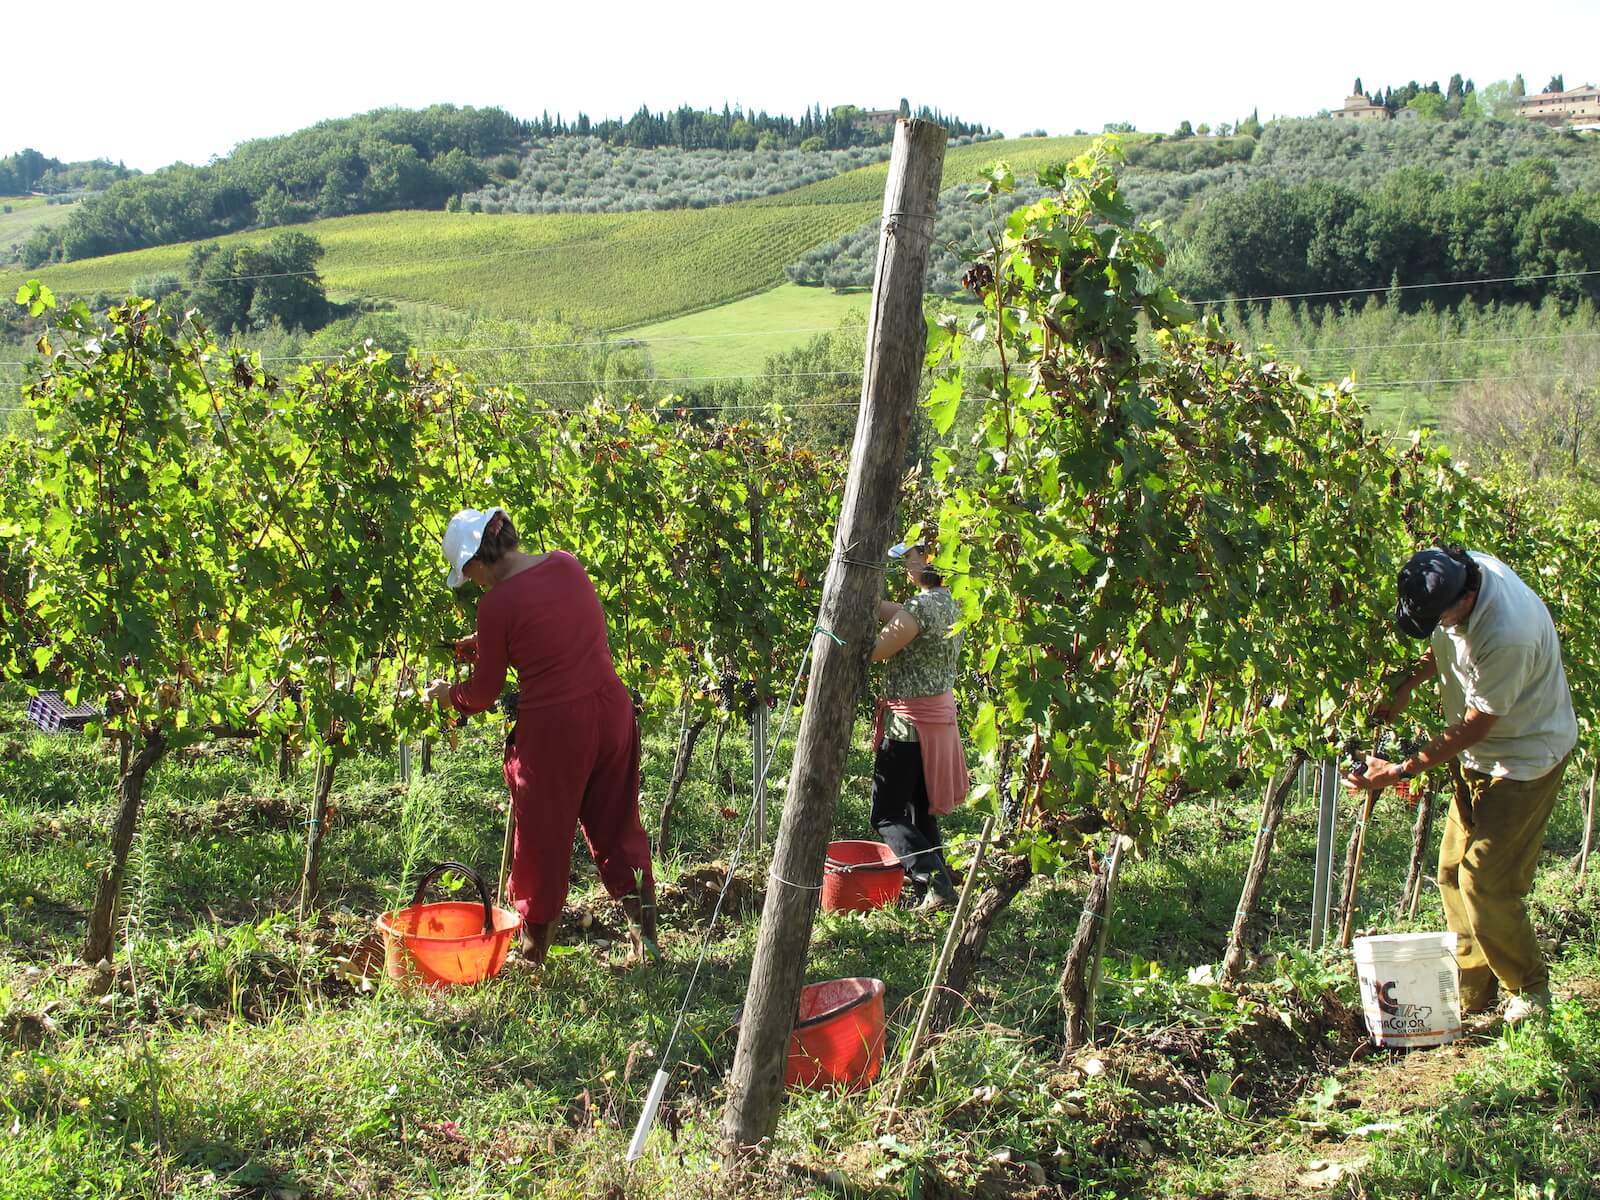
687, 128
29, 171
393, 159
1418, 227
386, 159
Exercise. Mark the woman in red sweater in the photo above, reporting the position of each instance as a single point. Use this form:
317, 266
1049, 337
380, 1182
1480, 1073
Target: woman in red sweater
573, 757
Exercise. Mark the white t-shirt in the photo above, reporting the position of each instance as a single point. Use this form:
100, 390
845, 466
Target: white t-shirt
1505, 660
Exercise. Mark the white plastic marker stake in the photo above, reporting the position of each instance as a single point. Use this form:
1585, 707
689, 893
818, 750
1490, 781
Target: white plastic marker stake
648, 1116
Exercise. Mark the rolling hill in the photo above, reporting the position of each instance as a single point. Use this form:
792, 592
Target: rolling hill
604, 270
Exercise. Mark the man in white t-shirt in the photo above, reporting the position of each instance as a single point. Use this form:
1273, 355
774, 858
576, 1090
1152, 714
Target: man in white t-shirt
1511, 731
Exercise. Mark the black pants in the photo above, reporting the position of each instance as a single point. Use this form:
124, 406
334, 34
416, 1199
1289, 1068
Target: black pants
900, 811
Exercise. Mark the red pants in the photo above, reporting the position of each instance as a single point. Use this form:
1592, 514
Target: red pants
572, 764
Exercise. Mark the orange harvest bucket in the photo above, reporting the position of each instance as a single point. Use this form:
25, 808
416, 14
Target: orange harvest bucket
838, 1038
454, 942
857, 876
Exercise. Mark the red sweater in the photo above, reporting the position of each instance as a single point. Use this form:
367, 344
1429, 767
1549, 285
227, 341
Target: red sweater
546, 622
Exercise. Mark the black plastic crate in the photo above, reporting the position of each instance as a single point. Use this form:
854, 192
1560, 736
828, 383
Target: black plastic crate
50, 713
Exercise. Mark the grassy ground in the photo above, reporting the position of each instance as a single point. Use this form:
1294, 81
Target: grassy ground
738, 338
235, 1052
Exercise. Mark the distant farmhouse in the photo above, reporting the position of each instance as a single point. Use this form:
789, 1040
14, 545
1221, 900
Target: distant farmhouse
880, 118
1576, 106
1358, 108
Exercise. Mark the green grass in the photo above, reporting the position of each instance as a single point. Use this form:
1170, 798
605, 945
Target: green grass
737, 338
26, 214
269, 1073
1496, 1126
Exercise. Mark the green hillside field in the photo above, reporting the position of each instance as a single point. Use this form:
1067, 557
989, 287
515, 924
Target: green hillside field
21, 215
607, 271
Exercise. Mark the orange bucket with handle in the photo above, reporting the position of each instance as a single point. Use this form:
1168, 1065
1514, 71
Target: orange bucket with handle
449, 943
838, 1037
857, 876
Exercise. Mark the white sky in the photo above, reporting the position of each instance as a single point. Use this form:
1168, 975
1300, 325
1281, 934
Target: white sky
151, 84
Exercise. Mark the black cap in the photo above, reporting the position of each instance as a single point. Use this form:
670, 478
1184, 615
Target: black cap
1430, 582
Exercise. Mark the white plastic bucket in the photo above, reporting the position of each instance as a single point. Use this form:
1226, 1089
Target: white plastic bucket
1409, 989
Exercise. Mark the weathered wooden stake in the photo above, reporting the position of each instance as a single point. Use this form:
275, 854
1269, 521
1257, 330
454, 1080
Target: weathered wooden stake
758, 761
758, 711
1588, 825
1080, 975
1322, 880
688, 735
1272, 806
936, 980
896, 343
1421, 834
316, 828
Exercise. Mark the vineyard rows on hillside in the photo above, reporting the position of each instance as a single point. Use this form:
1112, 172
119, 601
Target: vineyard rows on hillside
606, 270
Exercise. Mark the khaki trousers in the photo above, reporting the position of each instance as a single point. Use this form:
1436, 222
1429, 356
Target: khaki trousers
1486, 864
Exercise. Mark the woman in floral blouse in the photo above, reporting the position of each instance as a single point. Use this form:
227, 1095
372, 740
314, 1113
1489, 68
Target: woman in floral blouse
920, 770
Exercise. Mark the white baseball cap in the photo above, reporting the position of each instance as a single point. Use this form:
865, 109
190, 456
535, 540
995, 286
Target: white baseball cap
462, 538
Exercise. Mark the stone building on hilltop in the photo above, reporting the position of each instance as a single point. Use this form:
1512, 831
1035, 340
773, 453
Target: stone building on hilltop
1575, 106
1358, 108
878, 118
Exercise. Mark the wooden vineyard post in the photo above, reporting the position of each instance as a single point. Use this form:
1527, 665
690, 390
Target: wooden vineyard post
1322, 880
1271, 813
758, 710
1421, 835
316, 827
1588, 825
688, 736
936, 980
896, 342
1080, 977
758, 777
1352, 862
1352, 871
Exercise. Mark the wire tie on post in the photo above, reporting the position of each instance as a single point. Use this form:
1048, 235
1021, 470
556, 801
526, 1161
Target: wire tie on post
803, 887
837, 640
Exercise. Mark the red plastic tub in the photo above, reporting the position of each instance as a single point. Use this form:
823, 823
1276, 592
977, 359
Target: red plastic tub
857, 876
838, 1039
438, 945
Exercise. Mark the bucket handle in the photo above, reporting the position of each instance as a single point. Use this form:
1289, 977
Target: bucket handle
834, 866
466, 873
